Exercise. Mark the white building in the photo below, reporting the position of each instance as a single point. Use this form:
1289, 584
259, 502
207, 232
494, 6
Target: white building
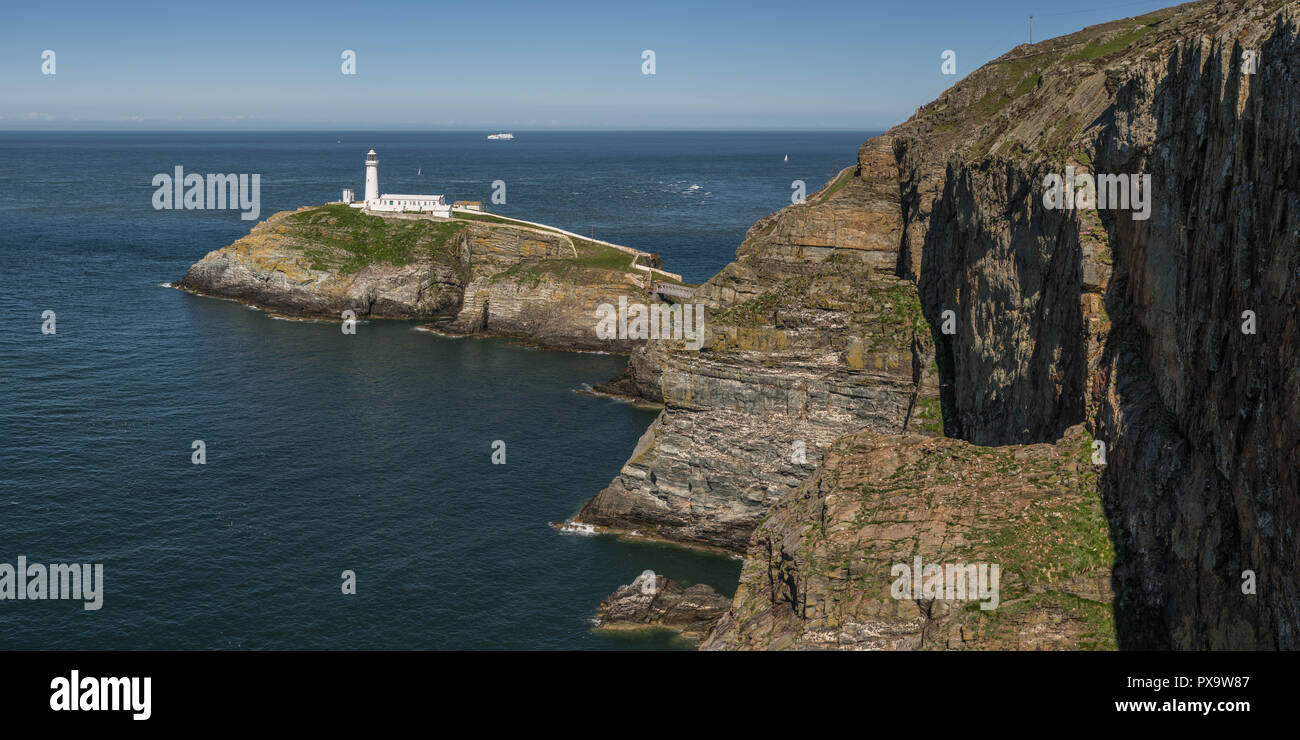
394, 203
435, 204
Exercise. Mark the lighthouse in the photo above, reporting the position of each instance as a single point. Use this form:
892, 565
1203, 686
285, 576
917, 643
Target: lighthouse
375, 202
372, 177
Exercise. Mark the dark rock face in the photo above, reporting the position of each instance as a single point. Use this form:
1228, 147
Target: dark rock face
1012, 274
1204, 415
1134, 326
654, 601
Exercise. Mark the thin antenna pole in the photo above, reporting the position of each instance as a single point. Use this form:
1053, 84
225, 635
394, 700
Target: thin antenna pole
1031, 29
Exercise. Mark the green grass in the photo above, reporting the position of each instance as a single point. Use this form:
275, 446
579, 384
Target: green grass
602, 256
484, 217
1095, 50
753, 312
346, 240
1098, 618
591, 256
1052, 539
844, 179
590, 253
886, 311
1028, 83
930, 412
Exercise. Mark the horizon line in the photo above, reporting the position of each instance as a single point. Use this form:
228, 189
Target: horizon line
436, 131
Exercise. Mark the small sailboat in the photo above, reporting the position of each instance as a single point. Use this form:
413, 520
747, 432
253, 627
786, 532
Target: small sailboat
787, 158
419, 171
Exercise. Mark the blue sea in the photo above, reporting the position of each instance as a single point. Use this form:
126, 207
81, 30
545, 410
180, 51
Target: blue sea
327, 452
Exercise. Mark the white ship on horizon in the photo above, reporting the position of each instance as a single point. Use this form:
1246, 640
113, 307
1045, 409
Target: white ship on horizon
497, 137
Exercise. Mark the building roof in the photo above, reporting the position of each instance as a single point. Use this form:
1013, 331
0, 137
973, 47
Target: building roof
411, 197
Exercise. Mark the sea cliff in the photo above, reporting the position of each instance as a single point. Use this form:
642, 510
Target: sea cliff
1067, 326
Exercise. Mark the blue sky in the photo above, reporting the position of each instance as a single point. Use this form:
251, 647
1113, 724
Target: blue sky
503, 65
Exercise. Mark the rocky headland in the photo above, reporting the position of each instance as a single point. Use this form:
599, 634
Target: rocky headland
809, 431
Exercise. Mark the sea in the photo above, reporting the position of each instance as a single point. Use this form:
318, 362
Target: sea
331, 459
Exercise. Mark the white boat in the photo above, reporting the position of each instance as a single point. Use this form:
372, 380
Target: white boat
500, 137
787, 157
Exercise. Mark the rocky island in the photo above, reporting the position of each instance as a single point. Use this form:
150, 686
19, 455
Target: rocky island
474, 273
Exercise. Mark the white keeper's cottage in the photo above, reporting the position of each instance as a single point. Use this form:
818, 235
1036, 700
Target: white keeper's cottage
393, 203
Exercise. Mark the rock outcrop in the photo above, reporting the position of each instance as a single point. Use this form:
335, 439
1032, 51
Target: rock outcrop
809, 336
820, 571
653, 601
472, 276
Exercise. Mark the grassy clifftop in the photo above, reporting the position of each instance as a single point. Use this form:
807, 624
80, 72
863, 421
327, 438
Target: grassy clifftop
342, 238
1042, 100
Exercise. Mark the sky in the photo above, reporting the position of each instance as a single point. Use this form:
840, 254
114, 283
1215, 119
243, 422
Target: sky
554, 65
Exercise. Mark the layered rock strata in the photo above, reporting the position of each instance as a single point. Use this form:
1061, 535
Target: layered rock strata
809, 335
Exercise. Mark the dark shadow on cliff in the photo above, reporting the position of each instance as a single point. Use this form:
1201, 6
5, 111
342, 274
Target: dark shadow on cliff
1190, 491
1015, 370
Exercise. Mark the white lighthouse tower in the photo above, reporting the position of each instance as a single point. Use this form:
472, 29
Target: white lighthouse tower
372, 177
392, 203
